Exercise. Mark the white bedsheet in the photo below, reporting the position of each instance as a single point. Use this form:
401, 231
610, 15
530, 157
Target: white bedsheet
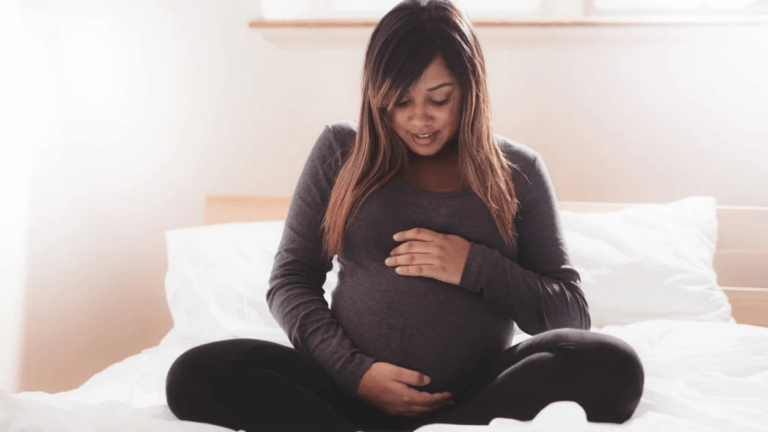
699, 376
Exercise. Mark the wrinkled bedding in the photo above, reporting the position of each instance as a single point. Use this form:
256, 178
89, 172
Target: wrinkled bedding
699, 376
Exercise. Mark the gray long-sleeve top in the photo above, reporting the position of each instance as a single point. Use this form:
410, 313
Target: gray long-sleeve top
443, 330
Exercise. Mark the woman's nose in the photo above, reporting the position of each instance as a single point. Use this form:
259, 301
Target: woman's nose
421, 113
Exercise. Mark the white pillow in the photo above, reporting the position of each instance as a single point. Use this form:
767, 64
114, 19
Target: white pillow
218, 276
648, 261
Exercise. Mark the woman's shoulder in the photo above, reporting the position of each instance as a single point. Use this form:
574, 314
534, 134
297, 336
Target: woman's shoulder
339, 136
333, 142
523, 159
343, 129
515, 151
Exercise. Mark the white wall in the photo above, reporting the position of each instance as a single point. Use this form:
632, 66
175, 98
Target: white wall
162, 102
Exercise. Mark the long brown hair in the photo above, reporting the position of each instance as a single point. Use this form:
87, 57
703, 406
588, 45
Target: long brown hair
403, 44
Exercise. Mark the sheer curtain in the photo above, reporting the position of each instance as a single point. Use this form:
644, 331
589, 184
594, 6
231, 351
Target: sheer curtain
24, 105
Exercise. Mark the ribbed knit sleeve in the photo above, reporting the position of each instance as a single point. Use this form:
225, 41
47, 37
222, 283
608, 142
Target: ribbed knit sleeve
542, 290
295, 295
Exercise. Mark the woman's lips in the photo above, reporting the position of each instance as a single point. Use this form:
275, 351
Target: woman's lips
425, 141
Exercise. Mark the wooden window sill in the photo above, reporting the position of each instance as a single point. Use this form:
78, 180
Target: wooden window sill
569, 21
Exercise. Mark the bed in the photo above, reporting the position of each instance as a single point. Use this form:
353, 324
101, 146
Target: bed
685, 283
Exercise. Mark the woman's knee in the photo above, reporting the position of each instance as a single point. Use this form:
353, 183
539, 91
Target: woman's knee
616, 375
195, 373
621, 363
607, 366
601, 349
213, 367
187, 378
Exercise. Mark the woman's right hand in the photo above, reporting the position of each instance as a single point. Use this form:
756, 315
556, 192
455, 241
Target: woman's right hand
385, 386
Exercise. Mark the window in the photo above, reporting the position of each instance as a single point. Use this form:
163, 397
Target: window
487, 7
675, 7
329, 9
307, 9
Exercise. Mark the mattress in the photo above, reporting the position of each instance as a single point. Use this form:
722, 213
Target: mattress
699, 376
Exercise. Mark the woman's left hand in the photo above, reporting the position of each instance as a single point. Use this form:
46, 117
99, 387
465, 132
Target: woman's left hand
430, 254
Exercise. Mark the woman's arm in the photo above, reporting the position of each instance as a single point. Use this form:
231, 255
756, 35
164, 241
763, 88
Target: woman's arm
542, 291
295, 296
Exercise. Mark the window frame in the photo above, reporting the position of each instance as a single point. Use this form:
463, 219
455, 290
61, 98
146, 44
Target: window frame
759, 7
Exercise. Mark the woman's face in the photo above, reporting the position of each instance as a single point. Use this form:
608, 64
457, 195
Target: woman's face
431, 106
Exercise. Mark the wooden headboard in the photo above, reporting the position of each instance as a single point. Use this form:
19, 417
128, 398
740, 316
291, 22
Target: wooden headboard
741, 257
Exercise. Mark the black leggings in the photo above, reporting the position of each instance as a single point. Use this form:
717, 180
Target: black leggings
256, 385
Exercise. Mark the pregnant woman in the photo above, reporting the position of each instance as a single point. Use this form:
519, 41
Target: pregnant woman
446, 235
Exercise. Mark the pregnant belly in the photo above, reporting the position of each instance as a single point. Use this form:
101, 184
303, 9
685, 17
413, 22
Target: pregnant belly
421, 324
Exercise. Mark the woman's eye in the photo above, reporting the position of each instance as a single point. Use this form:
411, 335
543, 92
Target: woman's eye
440, 103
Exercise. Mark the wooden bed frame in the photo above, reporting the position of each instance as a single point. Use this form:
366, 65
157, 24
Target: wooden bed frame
741, 257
